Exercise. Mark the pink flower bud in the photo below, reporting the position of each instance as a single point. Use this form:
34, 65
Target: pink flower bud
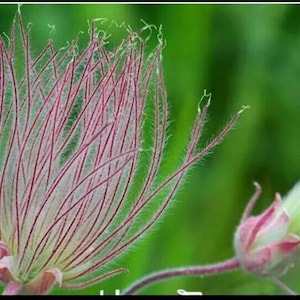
264, 245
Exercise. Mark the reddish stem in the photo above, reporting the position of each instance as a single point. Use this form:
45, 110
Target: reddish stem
221, 267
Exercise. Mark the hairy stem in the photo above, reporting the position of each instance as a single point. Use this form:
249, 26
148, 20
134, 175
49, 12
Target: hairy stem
221, 267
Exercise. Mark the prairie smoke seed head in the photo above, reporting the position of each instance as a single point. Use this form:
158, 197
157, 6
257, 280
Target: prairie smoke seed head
73, 181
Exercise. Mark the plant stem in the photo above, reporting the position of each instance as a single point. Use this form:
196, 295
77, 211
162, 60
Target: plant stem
221, 267
283, 286
12, 288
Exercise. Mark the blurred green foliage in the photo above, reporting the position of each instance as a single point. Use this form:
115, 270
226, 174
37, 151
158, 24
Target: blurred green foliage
243, 54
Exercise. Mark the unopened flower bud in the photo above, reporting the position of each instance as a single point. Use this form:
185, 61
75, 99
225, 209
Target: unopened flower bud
265, 244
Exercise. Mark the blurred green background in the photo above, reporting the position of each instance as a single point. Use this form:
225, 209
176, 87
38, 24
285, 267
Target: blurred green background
243, 55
